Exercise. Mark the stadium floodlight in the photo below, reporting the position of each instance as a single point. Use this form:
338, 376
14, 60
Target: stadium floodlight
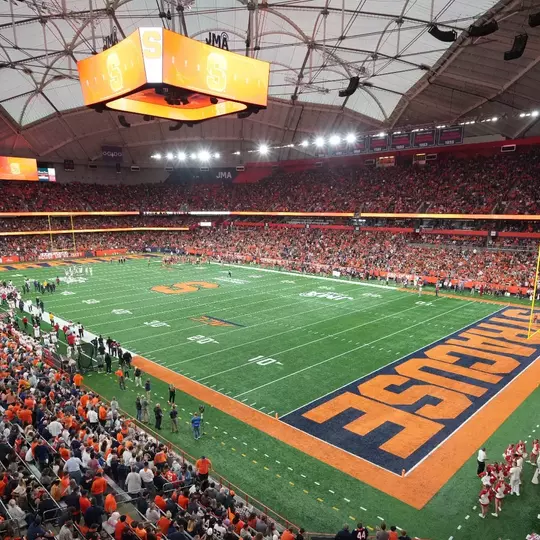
170, 155
319, 141
495, 118
522, 115
204, 155
156, 156
350, 138
182, 156
216, 155
237, 153
193, 156
263, 149
534, 113
334, 140
382, 134
304, 143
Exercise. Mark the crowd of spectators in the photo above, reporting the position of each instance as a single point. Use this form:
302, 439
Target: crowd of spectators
71, 463
480, 184
499, 265
369, 254
25, 224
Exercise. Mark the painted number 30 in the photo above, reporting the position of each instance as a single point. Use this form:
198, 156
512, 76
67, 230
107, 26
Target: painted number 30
185, 287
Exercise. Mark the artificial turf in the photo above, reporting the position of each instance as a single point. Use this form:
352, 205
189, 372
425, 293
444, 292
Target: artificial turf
285, 346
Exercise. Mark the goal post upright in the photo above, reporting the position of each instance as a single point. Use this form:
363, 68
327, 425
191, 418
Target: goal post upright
529, 334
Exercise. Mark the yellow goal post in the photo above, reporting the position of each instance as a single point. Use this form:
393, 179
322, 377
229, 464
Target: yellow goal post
534, 327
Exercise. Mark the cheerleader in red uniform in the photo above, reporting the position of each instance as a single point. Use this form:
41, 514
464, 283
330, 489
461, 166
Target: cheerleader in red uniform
534, 452
521, 449
484, 499
501, 490
509, 454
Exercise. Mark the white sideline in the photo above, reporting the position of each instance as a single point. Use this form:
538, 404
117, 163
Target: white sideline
307, 276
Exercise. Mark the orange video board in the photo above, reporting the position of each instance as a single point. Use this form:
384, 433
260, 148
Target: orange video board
207, 70
112, 73
14, 168
159, 73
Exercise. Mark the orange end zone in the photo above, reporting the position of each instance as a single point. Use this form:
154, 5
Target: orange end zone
416, 488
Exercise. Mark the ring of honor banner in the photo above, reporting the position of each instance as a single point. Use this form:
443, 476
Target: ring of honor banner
378, 143
450, 135
400, 141
424, 138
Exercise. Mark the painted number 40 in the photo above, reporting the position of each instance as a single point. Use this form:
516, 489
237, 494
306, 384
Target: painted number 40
202, 339
264, 361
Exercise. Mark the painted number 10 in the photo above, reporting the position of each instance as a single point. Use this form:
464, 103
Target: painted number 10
264, 361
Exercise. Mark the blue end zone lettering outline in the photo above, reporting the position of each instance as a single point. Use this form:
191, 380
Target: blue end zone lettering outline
514, 351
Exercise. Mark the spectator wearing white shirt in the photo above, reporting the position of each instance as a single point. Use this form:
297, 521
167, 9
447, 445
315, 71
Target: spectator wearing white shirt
55, 428
147, 477
133, 482
152, 514
93, 419
481, 459
73, 468
127, 456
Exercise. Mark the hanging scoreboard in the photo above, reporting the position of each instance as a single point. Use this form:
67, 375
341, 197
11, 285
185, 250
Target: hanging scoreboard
159, 73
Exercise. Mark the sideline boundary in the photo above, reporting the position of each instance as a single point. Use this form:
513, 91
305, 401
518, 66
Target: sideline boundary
309, 276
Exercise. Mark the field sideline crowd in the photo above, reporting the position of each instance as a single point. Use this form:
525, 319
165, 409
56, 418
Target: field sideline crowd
455, 263
72, 465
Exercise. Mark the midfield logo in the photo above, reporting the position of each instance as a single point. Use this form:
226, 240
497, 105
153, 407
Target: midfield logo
212, 321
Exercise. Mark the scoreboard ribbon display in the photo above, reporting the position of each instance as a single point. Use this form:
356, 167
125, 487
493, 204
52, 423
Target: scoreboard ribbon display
159, 73
14, 168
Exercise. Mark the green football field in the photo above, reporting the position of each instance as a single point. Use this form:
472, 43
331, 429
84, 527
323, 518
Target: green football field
276, 341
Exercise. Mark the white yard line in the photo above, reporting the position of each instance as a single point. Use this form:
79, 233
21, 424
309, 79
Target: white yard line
305, 344
280, 333
393, 362
234, 315
199, 306
347, 352
186, 299
309, 276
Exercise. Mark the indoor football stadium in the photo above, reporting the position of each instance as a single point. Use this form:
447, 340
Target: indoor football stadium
269, 270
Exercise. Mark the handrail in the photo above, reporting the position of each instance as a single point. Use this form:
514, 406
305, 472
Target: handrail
279, 519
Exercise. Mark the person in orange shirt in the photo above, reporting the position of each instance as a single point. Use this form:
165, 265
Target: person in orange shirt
160, 502
139, 530
102, 413
84, 501
160, 459
120, 527
65, 454
99, 486
204, 466
183, 500
77, 379
164, 522
84, 400
110, 504
288, 535
121, 381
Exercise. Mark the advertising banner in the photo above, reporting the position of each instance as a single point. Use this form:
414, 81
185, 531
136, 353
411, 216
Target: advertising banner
113, 154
